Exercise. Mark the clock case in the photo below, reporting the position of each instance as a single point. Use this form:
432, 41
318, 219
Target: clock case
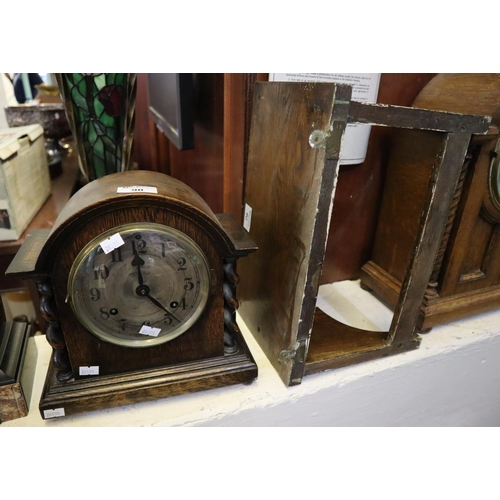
465, 278
293, 162
211, 353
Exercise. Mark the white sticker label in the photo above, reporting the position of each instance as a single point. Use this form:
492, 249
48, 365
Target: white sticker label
137, 189
58, 412
149, 330
247, 218
112, 242
88, 370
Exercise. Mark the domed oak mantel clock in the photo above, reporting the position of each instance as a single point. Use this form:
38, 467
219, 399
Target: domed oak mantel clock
137, 281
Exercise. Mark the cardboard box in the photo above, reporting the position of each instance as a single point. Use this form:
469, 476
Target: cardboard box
18, 358
24, 178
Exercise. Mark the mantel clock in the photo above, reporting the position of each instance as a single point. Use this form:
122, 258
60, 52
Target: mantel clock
137, 280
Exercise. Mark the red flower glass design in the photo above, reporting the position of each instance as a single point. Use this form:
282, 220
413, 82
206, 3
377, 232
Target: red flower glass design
112, 97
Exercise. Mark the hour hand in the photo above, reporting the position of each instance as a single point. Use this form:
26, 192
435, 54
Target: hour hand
137, 261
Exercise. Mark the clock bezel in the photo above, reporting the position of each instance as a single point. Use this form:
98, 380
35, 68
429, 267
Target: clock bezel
106, 336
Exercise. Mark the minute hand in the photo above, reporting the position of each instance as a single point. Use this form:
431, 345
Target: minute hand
156, 303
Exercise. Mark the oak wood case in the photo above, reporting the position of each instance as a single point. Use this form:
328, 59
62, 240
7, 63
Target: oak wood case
94, 209
294, 149
466, 274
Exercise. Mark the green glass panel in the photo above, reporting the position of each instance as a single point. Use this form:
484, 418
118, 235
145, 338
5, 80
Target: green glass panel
82, 87
110, 145
79, 100
98, 148
100, 81
111, 133
92, 133
107, 120
100, 108
99, 167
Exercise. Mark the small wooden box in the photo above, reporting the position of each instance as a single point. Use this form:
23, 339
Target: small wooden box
24, 178
18, 356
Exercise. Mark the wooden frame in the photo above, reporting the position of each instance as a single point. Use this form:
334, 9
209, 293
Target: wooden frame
295, 142
466, 276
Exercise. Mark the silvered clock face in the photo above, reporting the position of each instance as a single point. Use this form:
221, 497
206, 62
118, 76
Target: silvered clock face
148, 290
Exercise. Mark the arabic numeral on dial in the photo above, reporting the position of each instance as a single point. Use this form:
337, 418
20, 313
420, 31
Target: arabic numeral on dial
106, 313
181, 262
167, 319
188, 285
146, 323
95, 294
101, 272
141, 244
123, 321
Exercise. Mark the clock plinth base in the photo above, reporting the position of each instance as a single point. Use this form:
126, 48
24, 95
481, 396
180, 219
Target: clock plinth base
436, 310
102, 392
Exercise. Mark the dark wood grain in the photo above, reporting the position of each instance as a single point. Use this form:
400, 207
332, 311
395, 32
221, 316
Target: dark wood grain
359, 189
283, 187
414, 118
234, 137
202, 168
290, 187
83, 396
204, 339
95, 209
465, 278
149, 146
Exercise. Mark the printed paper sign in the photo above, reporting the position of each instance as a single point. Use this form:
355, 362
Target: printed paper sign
149, 330
88, 370
58, 412
247, 218
137, 189
111, 243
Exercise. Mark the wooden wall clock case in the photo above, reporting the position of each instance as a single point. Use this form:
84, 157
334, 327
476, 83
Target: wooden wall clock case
295, 141
210, 353
465, 278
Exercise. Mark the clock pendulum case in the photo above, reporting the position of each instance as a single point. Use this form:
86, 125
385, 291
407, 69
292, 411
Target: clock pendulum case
137, 280
465, 278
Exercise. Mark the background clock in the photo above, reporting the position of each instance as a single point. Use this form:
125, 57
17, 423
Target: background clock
465, 279
137, 281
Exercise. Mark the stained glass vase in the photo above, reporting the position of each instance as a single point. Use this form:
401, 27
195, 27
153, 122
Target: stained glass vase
101, 109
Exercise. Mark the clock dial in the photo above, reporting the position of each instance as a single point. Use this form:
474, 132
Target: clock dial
148, 290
